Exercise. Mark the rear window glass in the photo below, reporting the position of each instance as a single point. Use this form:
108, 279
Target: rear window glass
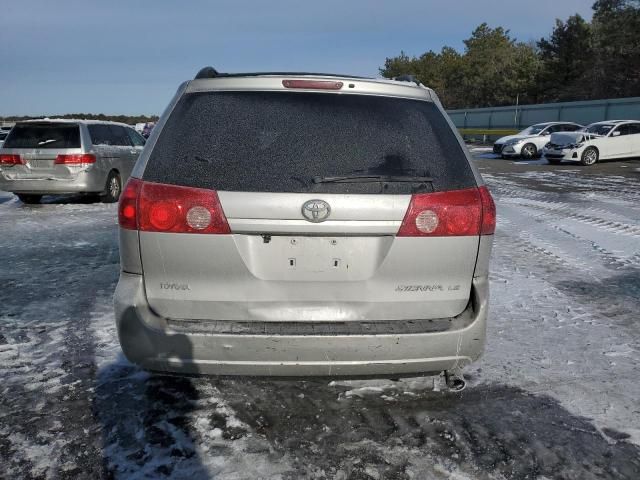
278, 142
43, 135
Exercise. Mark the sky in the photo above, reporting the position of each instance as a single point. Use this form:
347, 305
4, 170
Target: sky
128, 57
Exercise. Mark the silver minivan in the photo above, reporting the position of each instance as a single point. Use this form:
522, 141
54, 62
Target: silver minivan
49, 157
304, 224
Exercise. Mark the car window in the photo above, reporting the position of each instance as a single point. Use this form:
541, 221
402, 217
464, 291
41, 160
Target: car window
280, 142
622, 129
137, 139
532, 130
599, 128
120, 136
634, 128
44, 135
101, 134
631, 128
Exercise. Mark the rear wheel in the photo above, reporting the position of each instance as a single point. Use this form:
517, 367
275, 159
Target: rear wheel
528, 151
113, 188
589, 156
29, 198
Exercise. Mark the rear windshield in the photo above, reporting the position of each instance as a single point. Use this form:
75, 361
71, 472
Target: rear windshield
280, 142
43, 135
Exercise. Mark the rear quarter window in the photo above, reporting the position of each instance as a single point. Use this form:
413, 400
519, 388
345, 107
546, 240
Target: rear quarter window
280, 141
43, 136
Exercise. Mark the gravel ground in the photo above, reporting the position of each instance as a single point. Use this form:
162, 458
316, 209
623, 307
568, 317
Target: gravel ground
555, 396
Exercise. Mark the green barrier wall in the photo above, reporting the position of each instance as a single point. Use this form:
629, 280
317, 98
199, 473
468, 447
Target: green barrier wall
498, 121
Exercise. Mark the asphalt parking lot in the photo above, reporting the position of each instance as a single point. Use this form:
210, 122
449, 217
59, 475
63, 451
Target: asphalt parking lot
555, 396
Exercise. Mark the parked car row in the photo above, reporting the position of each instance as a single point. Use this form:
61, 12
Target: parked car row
44, 157
566, 141
530, 141
4, 131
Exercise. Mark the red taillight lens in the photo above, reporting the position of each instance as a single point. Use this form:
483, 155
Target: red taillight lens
75, 159
313, 84
11, 159
443, 214
156, 207
488, 212
128, 205
169, 208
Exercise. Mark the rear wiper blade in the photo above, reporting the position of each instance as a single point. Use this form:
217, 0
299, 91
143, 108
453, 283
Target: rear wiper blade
372, 178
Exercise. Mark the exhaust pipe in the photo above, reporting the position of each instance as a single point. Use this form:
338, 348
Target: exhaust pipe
455, 380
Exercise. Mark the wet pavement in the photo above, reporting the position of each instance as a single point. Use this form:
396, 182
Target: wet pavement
555, 395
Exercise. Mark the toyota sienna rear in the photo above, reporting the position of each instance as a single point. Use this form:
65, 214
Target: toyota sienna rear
304, 224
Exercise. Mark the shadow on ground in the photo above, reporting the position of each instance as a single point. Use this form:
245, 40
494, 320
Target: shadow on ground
165, 426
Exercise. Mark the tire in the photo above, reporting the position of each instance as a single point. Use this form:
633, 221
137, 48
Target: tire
112, 189
529, 151
554, 161
590, 156
29, 199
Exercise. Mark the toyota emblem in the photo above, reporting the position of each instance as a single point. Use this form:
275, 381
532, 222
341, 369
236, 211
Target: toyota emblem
316, 211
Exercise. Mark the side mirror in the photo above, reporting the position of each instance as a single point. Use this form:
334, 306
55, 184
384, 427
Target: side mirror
616, 133
546, 133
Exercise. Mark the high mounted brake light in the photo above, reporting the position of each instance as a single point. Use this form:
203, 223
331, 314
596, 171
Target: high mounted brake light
11, 159
313, 84
156, 207
455, 213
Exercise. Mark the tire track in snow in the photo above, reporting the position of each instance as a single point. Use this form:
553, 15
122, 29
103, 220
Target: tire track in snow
564, 210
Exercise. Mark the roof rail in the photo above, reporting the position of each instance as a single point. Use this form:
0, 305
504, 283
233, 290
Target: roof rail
407, 78
210, 72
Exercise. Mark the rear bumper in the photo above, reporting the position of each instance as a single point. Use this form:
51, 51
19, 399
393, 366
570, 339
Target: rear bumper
92, 181
151, 342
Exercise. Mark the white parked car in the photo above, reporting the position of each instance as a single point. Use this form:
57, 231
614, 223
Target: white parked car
598, 141
530, 141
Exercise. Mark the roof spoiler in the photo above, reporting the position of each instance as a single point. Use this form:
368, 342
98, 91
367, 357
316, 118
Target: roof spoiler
407, 78
207, 72
210, 72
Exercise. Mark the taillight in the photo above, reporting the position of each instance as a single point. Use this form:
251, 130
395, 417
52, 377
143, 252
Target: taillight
128, 204
156, 207
488, 212
75, 159
11, 159
443, 214
313, 84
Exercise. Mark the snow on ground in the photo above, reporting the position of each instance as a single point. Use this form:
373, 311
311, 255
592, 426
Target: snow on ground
479, 149
555, 395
